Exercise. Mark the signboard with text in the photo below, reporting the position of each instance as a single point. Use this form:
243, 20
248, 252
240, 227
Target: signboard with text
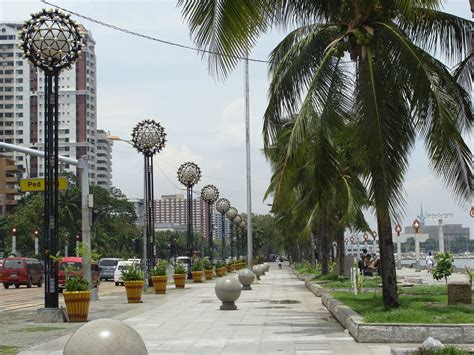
39, 184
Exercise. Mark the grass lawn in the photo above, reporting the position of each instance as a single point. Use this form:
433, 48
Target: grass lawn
369, 282
419, 304
7, 349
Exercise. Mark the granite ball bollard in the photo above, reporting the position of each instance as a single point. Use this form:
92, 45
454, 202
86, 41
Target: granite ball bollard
267, 266
257, 270
264, 269
246, 278
106, 337
228, 290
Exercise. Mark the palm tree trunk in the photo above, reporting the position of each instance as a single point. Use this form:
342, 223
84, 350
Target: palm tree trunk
341, 252
324, 250
312, 250
387, 260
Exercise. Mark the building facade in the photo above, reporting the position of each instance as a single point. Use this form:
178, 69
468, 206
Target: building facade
172, 210
10, 174
104, 159
22, 108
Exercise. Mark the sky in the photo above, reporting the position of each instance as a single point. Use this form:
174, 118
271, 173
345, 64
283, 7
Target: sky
203, 116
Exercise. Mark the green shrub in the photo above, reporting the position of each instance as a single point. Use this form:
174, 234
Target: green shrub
447, 350
133, 273
179, 269
160, 268
76, 283
219, 264
197, 266
444, 266
207, 264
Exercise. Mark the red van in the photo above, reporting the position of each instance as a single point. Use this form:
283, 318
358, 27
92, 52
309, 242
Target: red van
21, 271
75, 263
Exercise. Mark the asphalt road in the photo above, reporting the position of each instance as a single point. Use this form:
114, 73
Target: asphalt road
14, 299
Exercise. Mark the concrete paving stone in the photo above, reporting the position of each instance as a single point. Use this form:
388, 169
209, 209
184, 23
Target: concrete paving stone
317, 352
313, 346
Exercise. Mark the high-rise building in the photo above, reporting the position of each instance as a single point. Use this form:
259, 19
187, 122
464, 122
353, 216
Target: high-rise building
218, 226
104, 159
172, 209
22, 105
9, 184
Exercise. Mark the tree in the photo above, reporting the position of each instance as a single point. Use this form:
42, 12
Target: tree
392, 89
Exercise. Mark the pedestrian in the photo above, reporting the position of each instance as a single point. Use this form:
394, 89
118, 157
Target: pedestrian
429, 263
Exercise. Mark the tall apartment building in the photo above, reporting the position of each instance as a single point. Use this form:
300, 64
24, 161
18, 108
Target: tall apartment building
22, 105
104, 159
9, 184
218, 226
172, 209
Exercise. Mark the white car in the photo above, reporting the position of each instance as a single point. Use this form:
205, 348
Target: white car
122, 265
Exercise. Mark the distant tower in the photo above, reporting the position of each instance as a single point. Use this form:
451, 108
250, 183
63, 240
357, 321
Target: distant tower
421, 217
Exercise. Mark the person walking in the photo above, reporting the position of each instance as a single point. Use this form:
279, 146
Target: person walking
429, 263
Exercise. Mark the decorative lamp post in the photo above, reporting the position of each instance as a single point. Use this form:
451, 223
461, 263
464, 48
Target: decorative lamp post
416, 225
374, 235
36, 243
14, 241
237, 220
210, 194
243, 226
231, 214
366, 239
223, 205
352, 245
149, 138
51, 41
78, 239
189, 175
398, 229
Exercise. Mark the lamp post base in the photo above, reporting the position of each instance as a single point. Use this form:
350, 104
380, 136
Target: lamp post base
50, 315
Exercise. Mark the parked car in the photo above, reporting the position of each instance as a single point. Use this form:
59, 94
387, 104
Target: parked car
73, 265
107, 268
21, 271
122, 265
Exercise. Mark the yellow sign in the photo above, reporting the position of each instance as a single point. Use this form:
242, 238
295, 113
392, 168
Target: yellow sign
38, 184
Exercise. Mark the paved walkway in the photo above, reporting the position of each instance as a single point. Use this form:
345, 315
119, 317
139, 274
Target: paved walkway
278, 316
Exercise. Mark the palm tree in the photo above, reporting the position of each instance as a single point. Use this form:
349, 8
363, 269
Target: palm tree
369, 63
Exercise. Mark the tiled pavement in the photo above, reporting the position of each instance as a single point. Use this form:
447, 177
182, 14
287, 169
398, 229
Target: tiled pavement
279, 316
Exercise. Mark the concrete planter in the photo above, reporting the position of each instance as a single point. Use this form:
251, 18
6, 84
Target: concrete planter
197, 276
209, 274
134, 290
179, 280
159, 284
77, 305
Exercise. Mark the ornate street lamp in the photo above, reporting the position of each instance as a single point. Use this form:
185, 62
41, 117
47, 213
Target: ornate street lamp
149, 138
210, 194
223, 205
416, 225
237, 220
243, 227
189, 175
398, 229
51, 41
231, 214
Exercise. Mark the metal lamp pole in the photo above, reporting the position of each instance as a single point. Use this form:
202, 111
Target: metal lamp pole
14, 241
223, 205
36, 243
149, 138
398, 229
416, 226
51, 41
210, 194
231, 214
243, 227
237, 220
189, 175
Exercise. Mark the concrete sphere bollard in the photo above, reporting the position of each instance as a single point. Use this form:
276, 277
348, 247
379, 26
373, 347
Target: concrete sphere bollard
267, 266
257, 270
228, 290
246, 278
106, 337
264, 269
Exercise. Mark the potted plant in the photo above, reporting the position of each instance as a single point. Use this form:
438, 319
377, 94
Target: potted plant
208, 272
179, 275
159, 277
196, 271
220, 269
77, 296
228, 266
133, 278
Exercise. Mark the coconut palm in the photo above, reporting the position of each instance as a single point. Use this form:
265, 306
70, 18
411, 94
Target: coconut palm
367, 62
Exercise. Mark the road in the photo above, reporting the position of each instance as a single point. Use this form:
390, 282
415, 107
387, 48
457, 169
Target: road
24, 298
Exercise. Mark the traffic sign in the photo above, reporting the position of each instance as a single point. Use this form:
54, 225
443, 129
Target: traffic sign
38, 184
